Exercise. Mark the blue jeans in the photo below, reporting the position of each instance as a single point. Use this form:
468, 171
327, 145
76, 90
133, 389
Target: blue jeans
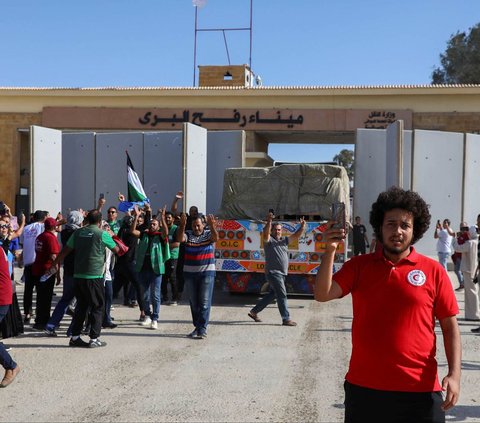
5, 360
277, 290
200, 291
459, 274
442, 258
62, 305
152, 285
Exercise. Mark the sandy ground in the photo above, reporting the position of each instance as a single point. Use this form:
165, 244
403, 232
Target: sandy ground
243, 372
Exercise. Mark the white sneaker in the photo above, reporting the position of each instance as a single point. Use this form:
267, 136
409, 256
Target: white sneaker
147, 321
154, 324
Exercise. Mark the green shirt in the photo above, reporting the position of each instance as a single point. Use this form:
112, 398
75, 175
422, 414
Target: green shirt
89, 244
172, 231
114, 226
159, 253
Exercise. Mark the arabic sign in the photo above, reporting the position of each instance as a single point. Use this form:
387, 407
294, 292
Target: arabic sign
201, 118
222, 119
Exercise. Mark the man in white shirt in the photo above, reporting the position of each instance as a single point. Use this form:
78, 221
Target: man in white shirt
30, 233
444, 234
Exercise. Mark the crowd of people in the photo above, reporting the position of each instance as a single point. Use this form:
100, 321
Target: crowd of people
462, 248
150, 257
398, 294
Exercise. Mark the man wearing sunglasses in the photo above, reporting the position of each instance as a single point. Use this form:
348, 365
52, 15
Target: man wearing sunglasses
112, 215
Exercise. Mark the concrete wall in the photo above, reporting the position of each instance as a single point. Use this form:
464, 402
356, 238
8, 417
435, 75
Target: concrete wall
95, 163
442, 167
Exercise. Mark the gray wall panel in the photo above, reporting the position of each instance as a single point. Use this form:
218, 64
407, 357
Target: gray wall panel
407, 159
394, 154
162, 167
111, 163
224, 150
438, 178
472, 172
78, 170
370, 171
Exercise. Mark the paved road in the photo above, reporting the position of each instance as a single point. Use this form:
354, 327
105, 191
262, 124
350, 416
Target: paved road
243, 372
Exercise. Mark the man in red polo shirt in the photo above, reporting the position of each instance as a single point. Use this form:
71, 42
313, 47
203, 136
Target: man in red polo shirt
397, 294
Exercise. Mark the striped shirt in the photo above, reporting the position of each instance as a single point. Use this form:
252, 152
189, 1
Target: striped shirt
199, 252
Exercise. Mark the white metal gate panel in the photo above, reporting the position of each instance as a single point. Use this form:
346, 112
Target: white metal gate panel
224, 149
111, 163
472, 180
45, 169
162, 167
438, 178
370, 171
78, 170
195, 167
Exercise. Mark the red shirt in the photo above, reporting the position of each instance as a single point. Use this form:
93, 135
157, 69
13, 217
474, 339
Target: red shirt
394, 311
46, 244
6, 289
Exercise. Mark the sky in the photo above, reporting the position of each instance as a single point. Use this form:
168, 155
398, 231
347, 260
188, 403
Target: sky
150, 43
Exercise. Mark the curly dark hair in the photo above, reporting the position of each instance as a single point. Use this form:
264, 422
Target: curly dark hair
397, 198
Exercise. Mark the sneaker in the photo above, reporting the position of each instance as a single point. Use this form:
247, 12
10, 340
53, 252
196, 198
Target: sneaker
109, 326
289, 323
147, 321
459, 288
10, 375
475, 330
172, 303
201, 335
79, 342
49, 332
96, 343
192, 334
8, 349
154, 324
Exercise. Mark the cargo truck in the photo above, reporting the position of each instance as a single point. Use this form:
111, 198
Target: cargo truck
292, 191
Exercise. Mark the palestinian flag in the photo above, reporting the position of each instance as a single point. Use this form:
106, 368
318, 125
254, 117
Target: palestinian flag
136, 194
135, 188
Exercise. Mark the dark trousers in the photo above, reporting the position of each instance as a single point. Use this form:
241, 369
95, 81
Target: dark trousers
90, 294
5, 360
107, 319
371, 405
44, 299
124, 272
359, 248
170, 278
28, 290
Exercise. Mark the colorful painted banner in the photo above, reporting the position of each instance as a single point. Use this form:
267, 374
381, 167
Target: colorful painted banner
240, 247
